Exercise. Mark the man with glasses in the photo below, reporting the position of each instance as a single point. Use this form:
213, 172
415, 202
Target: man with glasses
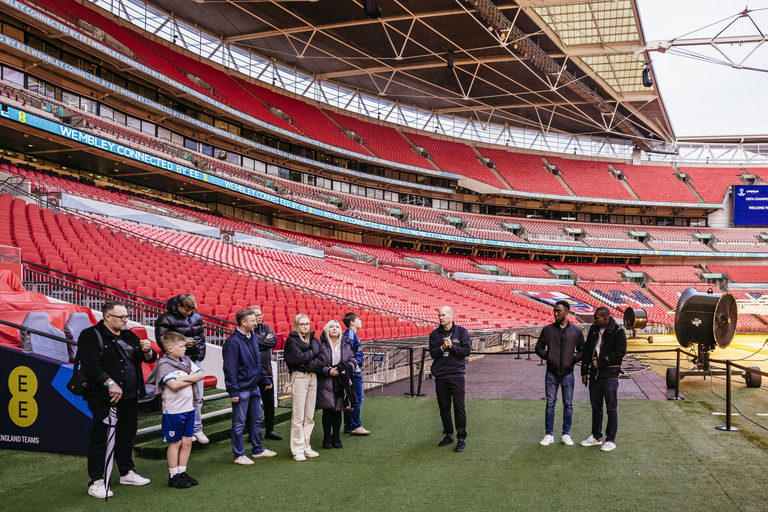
267, 341
183, 318
111, 356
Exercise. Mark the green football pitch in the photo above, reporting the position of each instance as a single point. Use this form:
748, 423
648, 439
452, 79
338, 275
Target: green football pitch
669, 457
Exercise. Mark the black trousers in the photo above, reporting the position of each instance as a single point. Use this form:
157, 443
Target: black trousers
127, 417
447, 390
331, 423
268, 403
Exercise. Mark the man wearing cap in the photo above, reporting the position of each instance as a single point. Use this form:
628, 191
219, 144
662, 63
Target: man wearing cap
561, 344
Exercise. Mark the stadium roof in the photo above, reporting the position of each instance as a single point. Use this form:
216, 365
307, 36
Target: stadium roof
572, 67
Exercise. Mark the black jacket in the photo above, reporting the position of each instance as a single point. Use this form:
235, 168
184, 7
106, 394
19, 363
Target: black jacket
561, 355
453, 364
330, 390
299, 356
266, 344
612, 351
191, 327
111, 362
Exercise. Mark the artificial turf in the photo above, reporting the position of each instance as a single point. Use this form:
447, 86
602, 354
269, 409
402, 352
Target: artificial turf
669, 457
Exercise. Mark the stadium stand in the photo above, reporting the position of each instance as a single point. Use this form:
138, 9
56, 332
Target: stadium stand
590, 178
592, 271
742, 273
384, 141
308, 118
519, 268
669, 273
624, 295
524, 172
712, 182
457, 158
656, 183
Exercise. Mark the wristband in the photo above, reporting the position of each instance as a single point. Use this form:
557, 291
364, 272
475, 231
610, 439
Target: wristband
109, 383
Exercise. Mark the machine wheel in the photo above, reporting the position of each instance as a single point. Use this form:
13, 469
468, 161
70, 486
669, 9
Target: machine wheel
671, 377
754, 380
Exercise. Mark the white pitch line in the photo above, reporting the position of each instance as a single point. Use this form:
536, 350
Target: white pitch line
725, 414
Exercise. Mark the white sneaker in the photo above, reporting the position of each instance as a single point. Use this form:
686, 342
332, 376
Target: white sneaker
608, 446
266, 454
98, 490
200, 438
548, 440
299, 457
566, 440
311, 453
243, 461
133, 479
591, 441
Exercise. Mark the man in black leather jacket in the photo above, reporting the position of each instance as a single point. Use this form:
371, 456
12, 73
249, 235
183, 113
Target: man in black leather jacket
183, 318
111, 356
603, 353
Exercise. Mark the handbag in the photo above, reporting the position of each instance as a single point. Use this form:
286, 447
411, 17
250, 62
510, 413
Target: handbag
288, 390
79, 381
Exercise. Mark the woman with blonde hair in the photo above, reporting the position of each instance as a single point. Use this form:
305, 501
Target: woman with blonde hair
304, 360
333, 381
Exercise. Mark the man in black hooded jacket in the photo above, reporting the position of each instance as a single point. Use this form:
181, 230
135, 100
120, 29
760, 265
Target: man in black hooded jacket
605, 348
181, 316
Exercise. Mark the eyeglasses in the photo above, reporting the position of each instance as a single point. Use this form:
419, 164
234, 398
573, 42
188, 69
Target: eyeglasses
121, 317
304, 324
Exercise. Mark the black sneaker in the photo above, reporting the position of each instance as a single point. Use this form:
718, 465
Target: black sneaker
177, 482
188, 478
448, 439
273, 436
461, 445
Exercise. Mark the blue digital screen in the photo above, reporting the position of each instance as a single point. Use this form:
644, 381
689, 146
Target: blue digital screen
750, 205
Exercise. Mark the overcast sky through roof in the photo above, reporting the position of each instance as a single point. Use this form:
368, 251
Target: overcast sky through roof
706, 98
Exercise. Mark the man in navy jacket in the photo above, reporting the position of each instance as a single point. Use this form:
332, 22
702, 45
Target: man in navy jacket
242, 375
449, 346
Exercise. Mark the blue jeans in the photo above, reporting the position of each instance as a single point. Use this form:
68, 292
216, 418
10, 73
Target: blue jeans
249, 404
608, 390
552, 383
352, 419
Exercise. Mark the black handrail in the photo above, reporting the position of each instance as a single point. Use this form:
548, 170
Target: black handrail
160, 303
24, 328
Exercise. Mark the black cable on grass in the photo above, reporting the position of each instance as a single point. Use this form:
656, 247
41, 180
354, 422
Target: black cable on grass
712, 388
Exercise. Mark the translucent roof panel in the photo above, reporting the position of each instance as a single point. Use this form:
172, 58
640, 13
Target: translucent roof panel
591, 22
623, 72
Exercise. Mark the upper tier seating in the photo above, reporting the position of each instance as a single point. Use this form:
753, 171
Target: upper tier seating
712, 182
590, 179
384, 141
524, 172
304, 116
652, 183
457, 158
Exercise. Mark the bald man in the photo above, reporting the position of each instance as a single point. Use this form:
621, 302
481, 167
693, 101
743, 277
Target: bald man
449, 346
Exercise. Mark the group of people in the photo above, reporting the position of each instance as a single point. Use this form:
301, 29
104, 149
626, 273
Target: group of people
562, 345
325, 373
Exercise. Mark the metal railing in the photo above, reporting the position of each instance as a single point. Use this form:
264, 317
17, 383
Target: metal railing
92, 294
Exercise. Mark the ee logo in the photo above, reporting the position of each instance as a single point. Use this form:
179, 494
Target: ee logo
23, 385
